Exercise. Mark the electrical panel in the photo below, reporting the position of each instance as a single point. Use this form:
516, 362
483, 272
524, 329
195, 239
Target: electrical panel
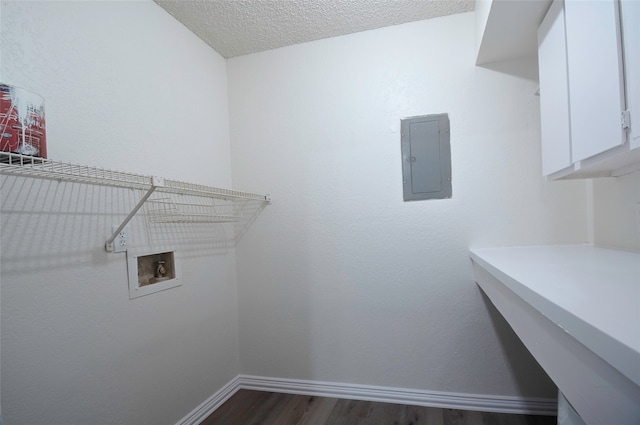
426, 157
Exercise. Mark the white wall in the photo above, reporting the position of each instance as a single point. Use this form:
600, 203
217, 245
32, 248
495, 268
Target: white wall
616, 202
339, 279
126, 87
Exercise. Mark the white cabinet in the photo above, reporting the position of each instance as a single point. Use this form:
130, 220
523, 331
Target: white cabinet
582, 90
596, 88
554, 100
630, 11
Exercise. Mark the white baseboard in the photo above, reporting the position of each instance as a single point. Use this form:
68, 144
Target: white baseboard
479, 402
210, 405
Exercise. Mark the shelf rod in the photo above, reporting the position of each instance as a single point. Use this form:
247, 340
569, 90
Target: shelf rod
156, 182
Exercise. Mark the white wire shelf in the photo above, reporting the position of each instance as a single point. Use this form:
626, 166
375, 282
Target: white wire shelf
30, 166
168, 211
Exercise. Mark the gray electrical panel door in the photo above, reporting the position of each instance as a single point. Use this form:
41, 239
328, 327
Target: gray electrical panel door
426, 157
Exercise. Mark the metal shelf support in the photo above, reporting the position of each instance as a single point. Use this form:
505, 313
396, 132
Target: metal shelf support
156, 182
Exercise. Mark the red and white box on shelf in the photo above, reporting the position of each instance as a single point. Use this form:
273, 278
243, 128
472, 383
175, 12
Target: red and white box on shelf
22, 122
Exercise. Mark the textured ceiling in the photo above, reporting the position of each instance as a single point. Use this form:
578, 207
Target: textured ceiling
240, 27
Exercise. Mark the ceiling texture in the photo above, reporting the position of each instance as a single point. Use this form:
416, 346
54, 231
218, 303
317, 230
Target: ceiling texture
240, 27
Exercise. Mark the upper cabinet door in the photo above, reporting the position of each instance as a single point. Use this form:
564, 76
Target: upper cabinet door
596, 88
630, 10
554, 92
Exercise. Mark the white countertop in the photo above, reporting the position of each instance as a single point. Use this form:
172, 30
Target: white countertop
592, 293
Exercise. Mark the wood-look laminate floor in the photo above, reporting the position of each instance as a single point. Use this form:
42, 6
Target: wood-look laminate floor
264, 408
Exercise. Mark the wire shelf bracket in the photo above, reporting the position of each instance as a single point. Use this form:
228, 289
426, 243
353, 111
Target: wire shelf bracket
156, 182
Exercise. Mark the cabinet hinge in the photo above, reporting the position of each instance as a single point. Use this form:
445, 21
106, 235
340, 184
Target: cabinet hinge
626, 119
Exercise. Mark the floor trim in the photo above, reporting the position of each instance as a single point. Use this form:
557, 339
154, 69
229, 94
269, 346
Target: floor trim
479, 402
200, 413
